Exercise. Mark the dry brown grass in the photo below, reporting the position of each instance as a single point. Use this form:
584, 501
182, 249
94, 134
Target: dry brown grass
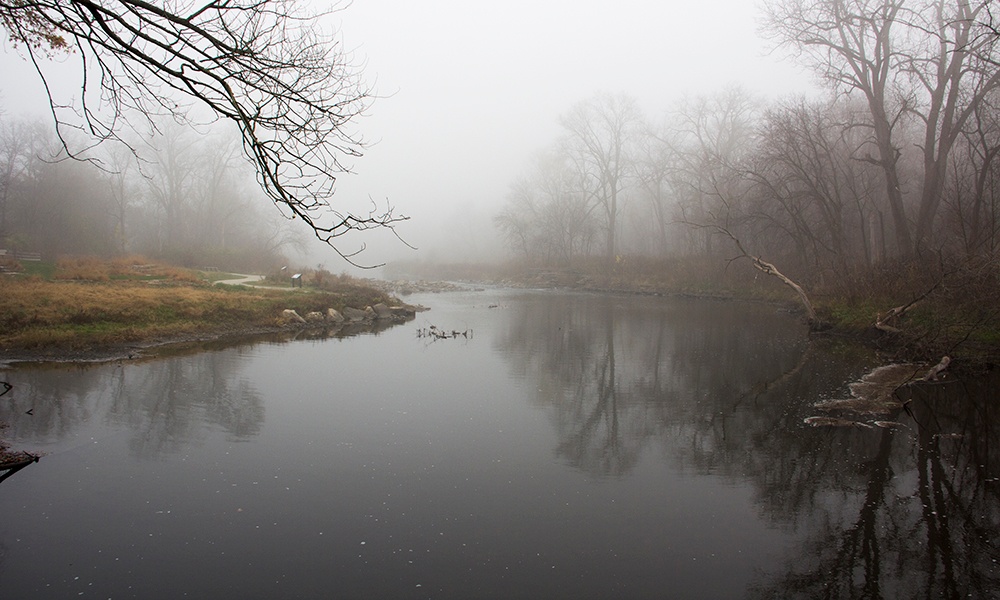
78, 314
91, 268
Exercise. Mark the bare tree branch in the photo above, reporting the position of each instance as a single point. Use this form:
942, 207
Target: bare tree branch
768, 268
264, 65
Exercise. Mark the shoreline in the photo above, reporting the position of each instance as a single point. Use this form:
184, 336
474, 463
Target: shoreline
156, 347
901, 345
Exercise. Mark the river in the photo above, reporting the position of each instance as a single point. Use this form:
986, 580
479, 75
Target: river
563, 445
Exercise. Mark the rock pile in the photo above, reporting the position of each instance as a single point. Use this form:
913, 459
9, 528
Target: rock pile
379, 312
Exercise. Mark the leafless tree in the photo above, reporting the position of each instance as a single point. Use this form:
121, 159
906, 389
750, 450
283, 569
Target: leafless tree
122, 190
928, 62
264, 65
518, 220
810, 193
600, 133
714, 136
548, 216
657, 165
220, 200
172, 160
13, 146
972, 207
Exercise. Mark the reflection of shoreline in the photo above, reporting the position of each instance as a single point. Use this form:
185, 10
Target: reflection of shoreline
163, 405
276, 336
241, 422
181, 346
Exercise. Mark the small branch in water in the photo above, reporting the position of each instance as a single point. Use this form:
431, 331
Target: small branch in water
436, 333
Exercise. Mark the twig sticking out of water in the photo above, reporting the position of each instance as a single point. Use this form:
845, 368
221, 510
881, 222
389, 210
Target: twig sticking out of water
434, 332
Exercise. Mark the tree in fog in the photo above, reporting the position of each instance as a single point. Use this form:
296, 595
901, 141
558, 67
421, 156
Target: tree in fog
170, 178
265, 66
219, 199
28, 154
13, 148
930, 64
657, 165
123, 191
202, 211
972, 196
714, 135
517, 221
568, 223
49, 205
810, 197
599, 138
548, 215
194, 202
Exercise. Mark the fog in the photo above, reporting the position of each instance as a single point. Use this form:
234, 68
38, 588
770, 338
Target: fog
468, 94
473, 91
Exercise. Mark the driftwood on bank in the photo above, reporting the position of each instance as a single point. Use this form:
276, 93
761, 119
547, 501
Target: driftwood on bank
883, 320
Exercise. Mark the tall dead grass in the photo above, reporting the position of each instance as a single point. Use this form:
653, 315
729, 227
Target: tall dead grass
91, 268
35, 313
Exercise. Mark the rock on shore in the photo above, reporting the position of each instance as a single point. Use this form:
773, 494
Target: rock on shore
378, 312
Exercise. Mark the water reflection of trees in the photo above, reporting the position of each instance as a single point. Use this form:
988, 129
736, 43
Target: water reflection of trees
618, 373
918, 517
166, 404
882, 513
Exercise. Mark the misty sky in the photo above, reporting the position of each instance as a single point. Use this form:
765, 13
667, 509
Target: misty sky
473, 90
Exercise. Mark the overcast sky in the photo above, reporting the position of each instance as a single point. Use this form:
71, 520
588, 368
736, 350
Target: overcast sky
473, 90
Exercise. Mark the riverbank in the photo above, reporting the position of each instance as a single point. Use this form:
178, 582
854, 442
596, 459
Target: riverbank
908, 312
42, 320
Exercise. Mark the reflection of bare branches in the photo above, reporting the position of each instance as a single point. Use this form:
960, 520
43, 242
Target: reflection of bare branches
164, 403
938, 539
617, 374
598, 444
178, 397
769, 385
859, 551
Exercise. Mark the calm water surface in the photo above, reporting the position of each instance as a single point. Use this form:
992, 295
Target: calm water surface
573, 446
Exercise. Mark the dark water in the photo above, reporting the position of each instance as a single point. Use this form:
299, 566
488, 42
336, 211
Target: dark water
575, 446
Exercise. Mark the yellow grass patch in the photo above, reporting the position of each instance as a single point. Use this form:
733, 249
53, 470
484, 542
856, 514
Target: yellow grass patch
93, 303
37, 314
91, 268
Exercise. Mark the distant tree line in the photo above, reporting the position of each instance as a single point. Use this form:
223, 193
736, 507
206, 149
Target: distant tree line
898, 162
181, 195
